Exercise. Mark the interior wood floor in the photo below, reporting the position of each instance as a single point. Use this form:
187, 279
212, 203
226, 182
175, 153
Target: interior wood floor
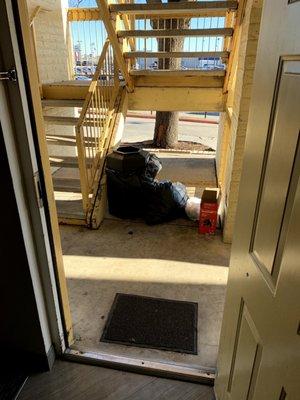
71, 381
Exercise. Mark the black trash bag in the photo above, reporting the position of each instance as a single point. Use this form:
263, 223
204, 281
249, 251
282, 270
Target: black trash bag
165, 201
125, 194
152, 168
133, 191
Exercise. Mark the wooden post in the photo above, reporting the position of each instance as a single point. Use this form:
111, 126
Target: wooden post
234, 42
33, 36
40, 128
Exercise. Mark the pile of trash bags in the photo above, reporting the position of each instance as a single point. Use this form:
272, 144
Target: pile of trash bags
134, 192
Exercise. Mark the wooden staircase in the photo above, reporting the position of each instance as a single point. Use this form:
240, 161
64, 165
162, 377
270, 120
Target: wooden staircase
200, 89
66, 179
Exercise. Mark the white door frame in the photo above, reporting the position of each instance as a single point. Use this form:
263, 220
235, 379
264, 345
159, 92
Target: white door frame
27, 177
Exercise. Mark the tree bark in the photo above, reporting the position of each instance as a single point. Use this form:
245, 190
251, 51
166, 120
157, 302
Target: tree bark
166, 122
166, 129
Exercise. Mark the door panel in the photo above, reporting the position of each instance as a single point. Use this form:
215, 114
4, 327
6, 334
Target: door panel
246, 356
259, 354
277, 170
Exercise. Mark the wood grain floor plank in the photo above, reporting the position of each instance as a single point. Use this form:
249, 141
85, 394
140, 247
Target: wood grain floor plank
162, 389
71, 381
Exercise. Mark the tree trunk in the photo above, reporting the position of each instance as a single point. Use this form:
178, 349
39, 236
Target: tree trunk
166, 123
166, 129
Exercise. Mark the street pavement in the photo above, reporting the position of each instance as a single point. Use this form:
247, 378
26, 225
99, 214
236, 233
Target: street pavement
141, 129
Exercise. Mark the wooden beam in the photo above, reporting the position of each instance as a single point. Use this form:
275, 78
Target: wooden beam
64, 92
84, 14
176, 54
175, 32
179, 81
229, 23
234, 42
180, 73
169, 8
68, 90
93, 14
176, 99
106, 17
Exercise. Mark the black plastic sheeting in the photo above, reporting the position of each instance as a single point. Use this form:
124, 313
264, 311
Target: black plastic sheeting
133, 191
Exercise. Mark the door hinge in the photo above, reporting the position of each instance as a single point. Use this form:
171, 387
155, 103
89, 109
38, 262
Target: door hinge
10, 75
38, 189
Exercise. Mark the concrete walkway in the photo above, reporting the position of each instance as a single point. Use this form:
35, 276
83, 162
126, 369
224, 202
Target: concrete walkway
166, 261
140, 129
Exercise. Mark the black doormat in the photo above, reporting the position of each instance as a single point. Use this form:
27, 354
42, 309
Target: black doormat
152, 323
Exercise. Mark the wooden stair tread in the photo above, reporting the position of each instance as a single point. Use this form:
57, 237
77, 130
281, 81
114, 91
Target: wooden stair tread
185, 9
59, 120
205, 8
62, 103
175, 32
67, 140
176, 54
71, 82
181, 73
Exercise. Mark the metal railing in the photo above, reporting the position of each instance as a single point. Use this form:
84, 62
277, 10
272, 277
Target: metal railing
93, 126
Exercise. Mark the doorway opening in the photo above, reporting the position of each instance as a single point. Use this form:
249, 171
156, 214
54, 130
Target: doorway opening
169, 261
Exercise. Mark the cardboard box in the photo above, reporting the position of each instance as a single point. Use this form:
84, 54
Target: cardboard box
209, 210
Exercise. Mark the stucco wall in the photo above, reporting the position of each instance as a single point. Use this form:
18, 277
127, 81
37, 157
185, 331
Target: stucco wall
232, 131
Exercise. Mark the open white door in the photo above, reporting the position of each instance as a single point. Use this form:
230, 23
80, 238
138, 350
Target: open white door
259, 355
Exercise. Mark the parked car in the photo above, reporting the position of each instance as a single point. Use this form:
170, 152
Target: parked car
82, 78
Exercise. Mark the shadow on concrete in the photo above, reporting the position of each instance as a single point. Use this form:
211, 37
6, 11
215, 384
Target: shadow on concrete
128, 239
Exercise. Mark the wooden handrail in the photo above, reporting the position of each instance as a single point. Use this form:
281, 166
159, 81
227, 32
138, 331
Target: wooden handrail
95, 120
114, 40
93, 84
